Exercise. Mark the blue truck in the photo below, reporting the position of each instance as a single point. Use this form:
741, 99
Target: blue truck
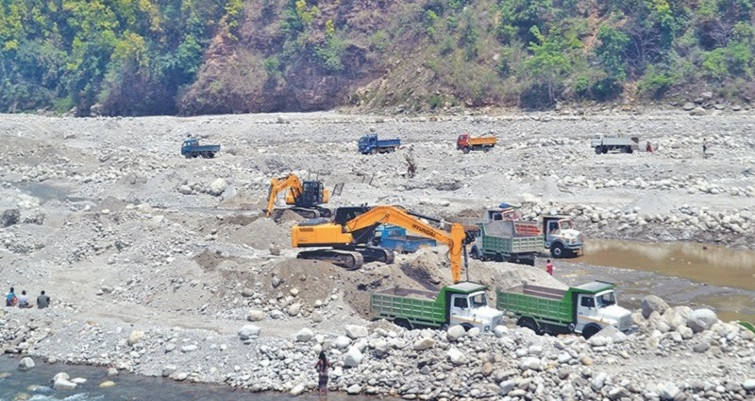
393, 237
370, 144
191, 148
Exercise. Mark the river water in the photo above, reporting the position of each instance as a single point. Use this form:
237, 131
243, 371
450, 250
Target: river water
17, 385
681, 273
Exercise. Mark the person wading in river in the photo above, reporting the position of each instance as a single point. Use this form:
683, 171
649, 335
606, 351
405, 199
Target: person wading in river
322, 373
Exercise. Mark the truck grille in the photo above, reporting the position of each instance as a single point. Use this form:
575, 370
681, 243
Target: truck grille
625, 323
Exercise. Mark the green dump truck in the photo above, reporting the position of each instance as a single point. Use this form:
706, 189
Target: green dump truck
507, 241
586, 309
463, 304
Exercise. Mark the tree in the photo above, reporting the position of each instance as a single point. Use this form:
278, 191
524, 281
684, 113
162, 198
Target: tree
548, 64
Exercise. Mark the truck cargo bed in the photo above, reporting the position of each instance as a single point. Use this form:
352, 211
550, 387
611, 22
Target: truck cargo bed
415, 306
548, 304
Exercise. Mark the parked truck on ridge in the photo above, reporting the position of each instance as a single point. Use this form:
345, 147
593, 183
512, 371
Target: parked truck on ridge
507, 241
191, 148
466, 143
603, 143
464, 304
370, 144
586, 309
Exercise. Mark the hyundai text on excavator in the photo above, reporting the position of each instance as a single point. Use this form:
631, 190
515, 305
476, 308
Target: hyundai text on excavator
305, 196
350, 232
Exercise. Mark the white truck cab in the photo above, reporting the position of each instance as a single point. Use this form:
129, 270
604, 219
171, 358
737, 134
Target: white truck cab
561, 237
596, 311
472, 310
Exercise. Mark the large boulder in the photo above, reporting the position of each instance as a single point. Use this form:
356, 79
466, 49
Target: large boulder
355, 331
10, 217
135, 337
652, 303
341, 342
304, 335
217, 187
701, 319
255, 315
352, 358
26, 364
455, 332
249, 331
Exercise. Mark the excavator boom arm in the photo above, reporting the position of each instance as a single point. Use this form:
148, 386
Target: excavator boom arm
399, 217
281, 184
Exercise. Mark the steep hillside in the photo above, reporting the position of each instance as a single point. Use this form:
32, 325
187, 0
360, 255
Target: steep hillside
232, 56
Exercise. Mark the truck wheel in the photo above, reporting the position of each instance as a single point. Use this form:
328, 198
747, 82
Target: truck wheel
629, 149
604, 149
529, 262
589, 331
557, 250
486, 149
212, 155
474, 253
597, 150
373, 151
528, 323
498, 257
467, 326
465, 150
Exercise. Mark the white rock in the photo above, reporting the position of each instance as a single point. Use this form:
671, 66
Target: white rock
500, 331
352, 358
354, 389
423, 344
189, 348
255, 315
341, 342
530, 363
135, 337
455, 332
294, 309
169, 370
249, 331
298, 389
304, 335
355, 331
668, 391
218, 187
749, 384
506, 387
701, 319
456, 357
26, 364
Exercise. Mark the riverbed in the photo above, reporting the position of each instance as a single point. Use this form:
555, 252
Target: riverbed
679, 272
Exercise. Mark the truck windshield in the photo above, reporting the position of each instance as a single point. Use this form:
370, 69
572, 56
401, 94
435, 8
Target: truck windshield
478, 300
566, 224
606, 299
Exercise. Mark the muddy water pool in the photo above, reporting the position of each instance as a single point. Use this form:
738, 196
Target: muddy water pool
681, 273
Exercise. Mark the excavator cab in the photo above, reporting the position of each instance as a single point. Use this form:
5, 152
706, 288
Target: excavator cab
313, 194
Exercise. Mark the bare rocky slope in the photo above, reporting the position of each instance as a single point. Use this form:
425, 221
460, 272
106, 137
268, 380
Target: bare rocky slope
157, 264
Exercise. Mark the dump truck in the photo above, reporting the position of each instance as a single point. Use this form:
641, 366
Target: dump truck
603, 143
370, 144
191, 148
464, 304
507, 241
586, 309
393, 237
560, 236
467, 143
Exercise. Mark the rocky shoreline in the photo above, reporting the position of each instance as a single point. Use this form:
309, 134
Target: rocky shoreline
667, 357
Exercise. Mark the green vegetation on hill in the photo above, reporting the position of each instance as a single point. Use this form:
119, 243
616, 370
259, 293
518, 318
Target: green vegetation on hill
135, 57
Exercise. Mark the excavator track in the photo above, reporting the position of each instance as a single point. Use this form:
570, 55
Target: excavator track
373, 254
347, 259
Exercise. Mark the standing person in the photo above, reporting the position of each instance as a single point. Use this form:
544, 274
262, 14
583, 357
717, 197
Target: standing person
23, 300
43, 300
549, 267
11, 299
322, 373
705, 146
649, 147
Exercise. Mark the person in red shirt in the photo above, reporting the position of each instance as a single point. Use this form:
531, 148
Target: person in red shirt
549, 267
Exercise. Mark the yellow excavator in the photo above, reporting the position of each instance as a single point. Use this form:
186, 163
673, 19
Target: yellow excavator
348, 235
305, 196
